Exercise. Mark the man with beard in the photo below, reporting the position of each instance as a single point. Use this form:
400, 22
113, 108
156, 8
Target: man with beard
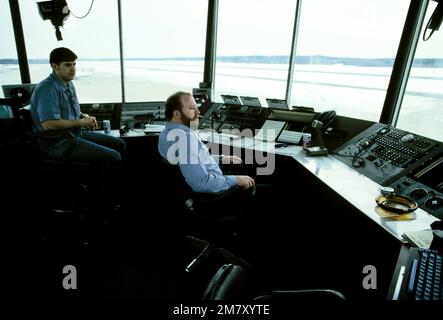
180, 145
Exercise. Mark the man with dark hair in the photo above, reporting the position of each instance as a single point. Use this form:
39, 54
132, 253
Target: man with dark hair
59, 55
54, 106
181, 145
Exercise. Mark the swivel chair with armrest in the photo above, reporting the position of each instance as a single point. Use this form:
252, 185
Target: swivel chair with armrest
211, 215
70, 195
229, 283
63, 166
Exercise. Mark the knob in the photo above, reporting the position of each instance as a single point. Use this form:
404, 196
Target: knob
418, 193
434, 203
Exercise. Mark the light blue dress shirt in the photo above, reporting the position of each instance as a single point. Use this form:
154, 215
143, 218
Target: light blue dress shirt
183, 147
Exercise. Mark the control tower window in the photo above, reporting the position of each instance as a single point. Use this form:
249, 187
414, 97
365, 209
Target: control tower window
253, 48
421, 109
345, 55
9, 69
94, 39
164, 47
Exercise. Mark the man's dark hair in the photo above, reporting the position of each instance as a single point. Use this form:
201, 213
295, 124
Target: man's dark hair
60, 55
174, 103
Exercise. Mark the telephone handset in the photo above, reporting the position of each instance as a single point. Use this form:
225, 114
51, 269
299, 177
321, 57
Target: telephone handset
327, 118
320, 124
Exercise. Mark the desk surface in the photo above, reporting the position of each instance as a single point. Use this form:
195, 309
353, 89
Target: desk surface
356, 188
131, 133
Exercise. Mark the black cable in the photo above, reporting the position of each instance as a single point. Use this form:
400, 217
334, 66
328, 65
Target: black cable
429, 23
354, 157
92, 2
427, 26
344, 155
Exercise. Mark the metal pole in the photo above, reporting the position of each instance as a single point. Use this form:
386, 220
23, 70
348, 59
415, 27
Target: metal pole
211, 43
122, 61
293, 53
19, 41
403, 61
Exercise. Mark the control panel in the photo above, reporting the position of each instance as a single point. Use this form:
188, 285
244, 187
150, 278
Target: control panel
235, 117
409, 163
138, 114
382, 152
424, 184
103, 111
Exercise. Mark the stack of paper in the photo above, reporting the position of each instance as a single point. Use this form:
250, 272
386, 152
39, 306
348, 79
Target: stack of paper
420, 239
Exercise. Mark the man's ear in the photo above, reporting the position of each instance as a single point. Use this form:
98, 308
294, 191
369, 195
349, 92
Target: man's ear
54, 66
177, 114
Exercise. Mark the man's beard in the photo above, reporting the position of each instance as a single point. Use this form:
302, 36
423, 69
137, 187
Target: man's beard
189, 122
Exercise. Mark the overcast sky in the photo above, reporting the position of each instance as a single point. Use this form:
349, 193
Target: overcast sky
172, 28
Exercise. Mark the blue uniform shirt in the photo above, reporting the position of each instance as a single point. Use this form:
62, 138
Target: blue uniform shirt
53, 100
182, 146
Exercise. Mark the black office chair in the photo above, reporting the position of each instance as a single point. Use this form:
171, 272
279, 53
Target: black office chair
230, 283
34, 138
66, 182
211, 215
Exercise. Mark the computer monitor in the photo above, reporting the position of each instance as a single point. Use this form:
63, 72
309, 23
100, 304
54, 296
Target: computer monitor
250, 101
232, 100
277, 104
22, 92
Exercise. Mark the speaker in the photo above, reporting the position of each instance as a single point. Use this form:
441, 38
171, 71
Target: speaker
22, 92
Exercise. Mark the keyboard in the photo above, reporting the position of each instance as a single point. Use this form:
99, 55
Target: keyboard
424, 278
153, 128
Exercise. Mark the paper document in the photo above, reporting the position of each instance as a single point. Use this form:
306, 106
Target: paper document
420, 239
270, 130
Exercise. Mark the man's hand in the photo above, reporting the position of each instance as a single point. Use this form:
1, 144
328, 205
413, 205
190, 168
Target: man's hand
94, 119
231, 159
89, 122
245, 182
235, 160
95, 122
